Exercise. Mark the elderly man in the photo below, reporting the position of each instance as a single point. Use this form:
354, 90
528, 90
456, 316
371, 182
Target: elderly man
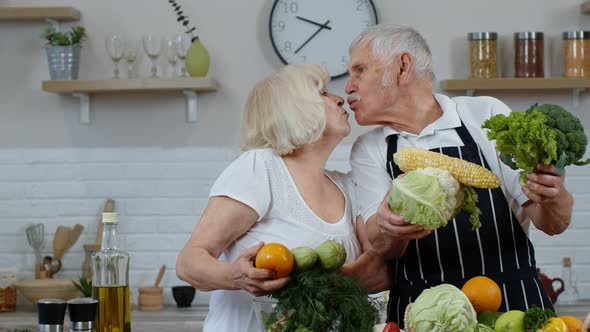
390, 85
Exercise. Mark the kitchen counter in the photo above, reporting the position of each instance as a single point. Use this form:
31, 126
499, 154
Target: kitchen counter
169, 319
173, 319
580, 309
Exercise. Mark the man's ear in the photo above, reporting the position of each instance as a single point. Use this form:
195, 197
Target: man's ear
406, 67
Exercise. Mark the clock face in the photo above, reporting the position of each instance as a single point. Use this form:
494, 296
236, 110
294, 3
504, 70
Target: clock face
319, 31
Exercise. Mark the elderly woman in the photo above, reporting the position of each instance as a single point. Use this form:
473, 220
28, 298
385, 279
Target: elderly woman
276, 191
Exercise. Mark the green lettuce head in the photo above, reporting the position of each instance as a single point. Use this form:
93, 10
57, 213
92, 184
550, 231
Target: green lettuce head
443, 308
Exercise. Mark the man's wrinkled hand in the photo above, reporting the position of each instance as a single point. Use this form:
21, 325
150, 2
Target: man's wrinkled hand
395, 226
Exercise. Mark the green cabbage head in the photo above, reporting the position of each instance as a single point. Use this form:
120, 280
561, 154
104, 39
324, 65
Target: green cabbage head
443, 308
431, 197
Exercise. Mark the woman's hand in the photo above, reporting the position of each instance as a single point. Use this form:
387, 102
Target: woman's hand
255, 281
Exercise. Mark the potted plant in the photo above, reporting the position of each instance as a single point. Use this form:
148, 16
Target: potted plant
63, 52
196, 58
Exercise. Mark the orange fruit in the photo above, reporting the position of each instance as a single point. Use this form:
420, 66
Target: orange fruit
483, 293
275, 257
573, 323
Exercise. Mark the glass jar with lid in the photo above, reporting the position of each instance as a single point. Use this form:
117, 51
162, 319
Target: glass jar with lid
576, 53
528, 54
482, 54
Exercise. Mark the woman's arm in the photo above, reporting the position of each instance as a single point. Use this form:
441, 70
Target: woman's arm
370, 268
223, 222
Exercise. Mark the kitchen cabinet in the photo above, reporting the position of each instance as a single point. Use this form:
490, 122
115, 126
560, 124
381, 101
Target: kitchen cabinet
83, 89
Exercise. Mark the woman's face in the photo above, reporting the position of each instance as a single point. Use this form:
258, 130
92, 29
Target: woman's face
336, 117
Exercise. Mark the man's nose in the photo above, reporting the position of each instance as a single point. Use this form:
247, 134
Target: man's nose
349, 88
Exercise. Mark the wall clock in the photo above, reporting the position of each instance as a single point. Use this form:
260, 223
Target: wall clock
319, 31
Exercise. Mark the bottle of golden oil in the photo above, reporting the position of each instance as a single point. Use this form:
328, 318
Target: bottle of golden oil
110, 281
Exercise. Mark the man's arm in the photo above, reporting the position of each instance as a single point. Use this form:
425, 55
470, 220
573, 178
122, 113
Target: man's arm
550, 204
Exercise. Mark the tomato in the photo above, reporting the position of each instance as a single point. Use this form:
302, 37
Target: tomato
391, 327
275, 257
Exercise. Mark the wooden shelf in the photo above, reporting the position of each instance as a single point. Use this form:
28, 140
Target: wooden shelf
204, 84
585, 7
39, 14
82, 89
551, 83
576, 85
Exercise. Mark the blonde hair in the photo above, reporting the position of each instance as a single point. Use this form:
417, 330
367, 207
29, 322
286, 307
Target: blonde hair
285, 110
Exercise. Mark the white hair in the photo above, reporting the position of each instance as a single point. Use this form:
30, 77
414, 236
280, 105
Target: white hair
285, 110
387, 41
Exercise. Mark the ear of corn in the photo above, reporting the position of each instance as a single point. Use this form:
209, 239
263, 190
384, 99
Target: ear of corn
411, 158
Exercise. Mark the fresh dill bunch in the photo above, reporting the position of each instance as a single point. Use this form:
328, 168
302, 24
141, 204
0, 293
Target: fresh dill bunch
320, 301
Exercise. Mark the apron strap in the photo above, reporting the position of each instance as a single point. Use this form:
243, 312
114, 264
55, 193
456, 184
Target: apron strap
394, 171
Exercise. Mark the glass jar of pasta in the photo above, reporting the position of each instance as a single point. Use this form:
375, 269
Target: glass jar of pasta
482, 54
576, 53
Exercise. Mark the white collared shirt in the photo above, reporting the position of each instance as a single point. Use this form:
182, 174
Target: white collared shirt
368, 157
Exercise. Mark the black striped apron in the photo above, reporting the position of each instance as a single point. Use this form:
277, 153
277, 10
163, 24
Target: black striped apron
500, 249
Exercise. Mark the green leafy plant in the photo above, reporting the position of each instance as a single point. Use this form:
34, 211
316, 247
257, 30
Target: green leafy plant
84, 286
74, 37
317, 300
546, 134
183, 19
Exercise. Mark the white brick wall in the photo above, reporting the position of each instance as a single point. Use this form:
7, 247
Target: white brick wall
160, 195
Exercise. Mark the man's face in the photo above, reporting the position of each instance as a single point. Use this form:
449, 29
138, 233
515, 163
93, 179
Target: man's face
368, 99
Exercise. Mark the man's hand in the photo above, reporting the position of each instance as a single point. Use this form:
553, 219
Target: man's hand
549, 205
544, 186
255, 281
395, 226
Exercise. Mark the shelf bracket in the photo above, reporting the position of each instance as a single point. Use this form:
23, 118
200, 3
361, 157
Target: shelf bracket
84, 107
54, 23
470, 92
576, 96
191, 105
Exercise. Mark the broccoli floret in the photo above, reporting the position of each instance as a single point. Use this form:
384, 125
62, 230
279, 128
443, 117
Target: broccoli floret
570, 137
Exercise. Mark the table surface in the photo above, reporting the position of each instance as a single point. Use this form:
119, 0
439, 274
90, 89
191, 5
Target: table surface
174, 319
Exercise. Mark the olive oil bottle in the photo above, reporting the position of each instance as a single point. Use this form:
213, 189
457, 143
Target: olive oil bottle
110, 281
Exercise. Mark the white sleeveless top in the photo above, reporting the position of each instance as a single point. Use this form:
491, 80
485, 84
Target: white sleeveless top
260, 179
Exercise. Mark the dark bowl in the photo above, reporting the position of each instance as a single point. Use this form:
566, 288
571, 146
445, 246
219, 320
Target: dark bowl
183, 295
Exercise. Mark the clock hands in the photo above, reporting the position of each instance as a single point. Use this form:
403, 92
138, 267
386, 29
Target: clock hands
322, 26
314, 23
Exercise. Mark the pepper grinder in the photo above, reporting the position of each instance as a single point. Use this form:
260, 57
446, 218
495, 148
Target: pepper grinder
82, 313
51, 314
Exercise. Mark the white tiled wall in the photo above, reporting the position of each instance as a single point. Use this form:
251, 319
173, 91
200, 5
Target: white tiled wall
160, 195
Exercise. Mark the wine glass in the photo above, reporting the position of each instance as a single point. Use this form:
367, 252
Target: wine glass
114, 45
183, 43
152, 46
130, 55
171, 55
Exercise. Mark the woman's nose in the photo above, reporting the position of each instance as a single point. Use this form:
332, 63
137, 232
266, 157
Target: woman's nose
339, 100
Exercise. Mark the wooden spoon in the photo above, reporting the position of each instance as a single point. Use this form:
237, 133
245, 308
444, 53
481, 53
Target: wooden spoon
160, 275
60, 241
